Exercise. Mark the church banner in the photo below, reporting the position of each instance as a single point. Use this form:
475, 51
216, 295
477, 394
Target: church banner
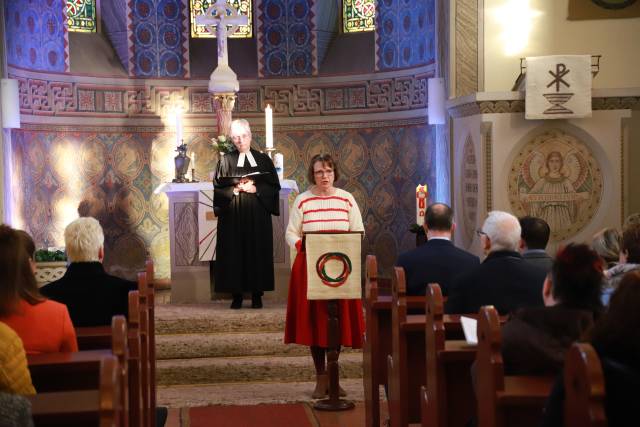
333, 266
558, 87
207, 227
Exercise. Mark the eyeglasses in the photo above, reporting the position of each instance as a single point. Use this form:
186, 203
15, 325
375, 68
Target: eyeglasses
480, 233
324, 172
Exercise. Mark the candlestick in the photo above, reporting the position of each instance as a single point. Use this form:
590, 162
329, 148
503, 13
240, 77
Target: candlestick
421, 203
268, 119
193, 167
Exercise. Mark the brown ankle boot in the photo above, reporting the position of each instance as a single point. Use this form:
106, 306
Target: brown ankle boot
322, 386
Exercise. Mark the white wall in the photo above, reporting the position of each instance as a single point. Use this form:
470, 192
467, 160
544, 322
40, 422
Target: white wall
617, 40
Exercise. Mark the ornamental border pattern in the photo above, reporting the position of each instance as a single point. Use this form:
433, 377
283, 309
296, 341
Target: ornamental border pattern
48, 97
517, 106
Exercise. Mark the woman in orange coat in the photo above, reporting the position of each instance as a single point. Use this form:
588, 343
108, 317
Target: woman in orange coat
43, 325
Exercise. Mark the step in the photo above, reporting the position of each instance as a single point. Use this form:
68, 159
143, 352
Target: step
216, 317
249, 369
234, 344
182, 396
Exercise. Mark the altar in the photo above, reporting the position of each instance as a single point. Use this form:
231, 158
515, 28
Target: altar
192, 241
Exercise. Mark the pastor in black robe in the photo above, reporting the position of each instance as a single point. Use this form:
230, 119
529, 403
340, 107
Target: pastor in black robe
244, 249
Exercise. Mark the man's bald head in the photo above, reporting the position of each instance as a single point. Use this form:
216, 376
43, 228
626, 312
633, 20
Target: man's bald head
439, 217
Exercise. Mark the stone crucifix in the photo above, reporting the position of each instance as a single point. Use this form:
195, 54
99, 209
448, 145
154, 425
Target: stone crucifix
223, 82
220, 15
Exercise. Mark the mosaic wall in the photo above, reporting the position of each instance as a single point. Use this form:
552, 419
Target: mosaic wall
286, 40
158, 34
405, 33
117, 172
37, 37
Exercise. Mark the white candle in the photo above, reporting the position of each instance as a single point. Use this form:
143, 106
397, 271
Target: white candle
278, 162
421, 203
178, 127
268, 119
193, 166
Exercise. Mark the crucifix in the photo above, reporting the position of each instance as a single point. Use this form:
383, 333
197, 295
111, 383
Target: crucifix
222, 15
223, 82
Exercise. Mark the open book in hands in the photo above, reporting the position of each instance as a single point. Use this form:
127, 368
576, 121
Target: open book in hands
230, 181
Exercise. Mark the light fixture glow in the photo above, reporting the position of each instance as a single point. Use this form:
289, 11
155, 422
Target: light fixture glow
516, 17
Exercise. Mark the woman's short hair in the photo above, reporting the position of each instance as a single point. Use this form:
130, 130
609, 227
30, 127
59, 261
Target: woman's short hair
326, 160
576, 275
18, 281
83, 239
606, 243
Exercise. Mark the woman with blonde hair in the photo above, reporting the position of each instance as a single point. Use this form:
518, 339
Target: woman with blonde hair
606, 243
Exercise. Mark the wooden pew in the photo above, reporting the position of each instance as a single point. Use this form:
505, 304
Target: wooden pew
98, 406
145, 367
448, 398
135, 376
152, 340
584, 386
377, 344
504, 400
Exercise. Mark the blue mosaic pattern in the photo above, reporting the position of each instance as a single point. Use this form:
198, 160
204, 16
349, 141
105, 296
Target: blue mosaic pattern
405, 33
287, 39
36, 34
158, 35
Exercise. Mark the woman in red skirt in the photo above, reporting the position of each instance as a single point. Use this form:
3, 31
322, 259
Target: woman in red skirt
321, 208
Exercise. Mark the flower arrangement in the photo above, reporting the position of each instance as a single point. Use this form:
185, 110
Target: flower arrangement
222, 144
50, 255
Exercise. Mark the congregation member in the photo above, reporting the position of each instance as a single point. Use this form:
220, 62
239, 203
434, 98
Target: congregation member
244, 206
534, 238
438, 260
616, 339
322, 207
504, 279
15, 377
44, 326
606, 243
92, 296
535, 339
629, 259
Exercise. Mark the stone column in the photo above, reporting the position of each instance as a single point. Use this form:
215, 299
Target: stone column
223, 104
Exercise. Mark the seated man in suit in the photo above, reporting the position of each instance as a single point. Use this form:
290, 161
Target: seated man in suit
91, 295
504, 279
534, 239
438, 260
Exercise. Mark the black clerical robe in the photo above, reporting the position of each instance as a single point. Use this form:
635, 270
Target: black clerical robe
244, 249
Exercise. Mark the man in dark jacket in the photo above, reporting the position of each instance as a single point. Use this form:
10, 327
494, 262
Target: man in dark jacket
92, 296
504, 279
438, 260
535, 236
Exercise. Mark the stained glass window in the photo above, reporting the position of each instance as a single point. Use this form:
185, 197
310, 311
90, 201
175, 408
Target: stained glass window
81, 15
358, 15
199, 7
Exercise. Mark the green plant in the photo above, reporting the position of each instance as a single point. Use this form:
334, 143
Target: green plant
416, 228
222, 144
46, 255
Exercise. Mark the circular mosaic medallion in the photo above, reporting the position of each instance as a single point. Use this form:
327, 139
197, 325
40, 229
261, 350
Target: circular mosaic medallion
159, 249
290, 152
318, 144
359, 194
127, 159
383, 202
386, 250
127, 256
409, 152
128, 207
469, 191
353, 154
159, 207
206, 157
93, 159
383, 153
162, 154
556, 177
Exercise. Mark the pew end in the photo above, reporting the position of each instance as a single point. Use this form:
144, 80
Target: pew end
584, 387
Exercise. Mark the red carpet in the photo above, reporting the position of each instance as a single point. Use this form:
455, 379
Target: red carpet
290, 415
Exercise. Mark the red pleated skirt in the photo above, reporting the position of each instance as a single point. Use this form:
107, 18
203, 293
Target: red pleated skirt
306, 322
